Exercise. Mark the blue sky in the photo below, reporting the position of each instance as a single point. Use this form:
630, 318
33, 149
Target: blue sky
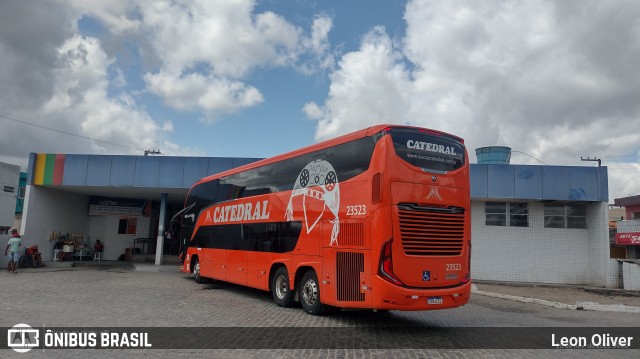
278, 124
248, 78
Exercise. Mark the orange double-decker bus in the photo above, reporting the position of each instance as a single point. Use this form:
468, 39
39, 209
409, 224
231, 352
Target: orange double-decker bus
379, 219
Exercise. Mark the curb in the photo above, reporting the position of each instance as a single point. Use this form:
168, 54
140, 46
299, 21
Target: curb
154, 268
621, 308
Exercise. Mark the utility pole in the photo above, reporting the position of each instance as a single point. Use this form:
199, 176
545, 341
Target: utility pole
594, 159
152, 152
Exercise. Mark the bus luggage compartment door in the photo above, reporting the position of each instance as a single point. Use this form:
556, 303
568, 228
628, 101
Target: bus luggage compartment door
346, 264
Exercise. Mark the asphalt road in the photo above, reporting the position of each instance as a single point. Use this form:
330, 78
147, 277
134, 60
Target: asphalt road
233, 318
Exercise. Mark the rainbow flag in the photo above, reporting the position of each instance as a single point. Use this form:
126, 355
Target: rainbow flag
49, 169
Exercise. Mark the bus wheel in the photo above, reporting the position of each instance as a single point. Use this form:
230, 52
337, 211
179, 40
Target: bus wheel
310, 293
280, 288
196, 273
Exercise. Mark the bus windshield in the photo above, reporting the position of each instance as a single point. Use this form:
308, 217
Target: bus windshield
437, 153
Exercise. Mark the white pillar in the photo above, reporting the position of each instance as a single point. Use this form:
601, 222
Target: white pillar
161, 225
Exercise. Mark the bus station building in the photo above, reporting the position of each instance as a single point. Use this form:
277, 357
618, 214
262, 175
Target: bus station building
542, 224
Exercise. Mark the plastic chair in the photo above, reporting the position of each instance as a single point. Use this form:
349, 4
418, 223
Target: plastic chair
68, 251
97, 256
56, 255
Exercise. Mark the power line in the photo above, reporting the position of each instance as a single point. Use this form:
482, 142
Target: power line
68, 133
622, 156
524, 153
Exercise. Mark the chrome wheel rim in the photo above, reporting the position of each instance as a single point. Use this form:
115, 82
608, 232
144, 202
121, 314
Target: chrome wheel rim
281, 287
310, 292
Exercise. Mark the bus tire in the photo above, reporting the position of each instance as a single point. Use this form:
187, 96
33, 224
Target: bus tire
196, 273
280, 288
309, 291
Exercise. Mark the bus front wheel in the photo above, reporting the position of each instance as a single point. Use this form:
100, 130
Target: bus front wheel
196, 272
280, 288
310, 293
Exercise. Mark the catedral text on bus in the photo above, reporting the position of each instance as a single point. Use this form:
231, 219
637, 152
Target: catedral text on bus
378, 219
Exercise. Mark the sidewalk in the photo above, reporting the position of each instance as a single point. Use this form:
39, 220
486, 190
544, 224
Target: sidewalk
563, 296
76, 265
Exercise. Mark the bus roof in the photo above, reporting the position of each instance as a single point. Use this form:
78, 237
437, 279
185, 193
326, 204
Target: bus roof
315, 147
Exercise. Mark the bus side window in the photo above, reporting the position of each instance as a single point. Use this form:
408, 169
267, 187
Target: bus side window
288, 171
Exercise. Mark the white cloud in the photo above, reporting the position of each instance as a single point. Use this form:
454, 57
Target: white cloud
369, 87
81, 83
320, 55
197, 56
116, 15
206, 50
552, 79
56, 84
195, 91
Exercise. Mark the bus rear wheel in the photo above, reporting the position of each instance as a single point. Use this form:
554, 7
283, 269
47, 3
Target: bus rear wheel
310, 293
280, 288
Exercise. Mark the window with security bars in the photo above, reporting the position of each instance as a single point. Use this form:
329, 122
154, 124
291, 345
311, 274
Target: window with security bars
506, 214
563, 215
127, 225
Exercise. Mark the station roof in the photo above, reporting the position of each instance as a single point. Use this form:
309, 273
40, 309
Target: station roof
148, 177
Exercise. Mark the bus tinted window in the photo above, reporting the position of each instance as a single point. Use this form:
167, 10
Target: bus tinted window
352, 158
432, 153
252, 182
287, 171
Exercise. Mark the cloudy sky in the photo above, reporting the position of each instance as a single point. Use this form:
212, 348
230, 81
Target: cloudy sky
554, 80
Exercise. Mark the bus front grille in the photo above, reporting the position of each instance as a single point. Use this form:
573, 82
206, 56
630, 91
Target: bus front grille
426, 231
349, 266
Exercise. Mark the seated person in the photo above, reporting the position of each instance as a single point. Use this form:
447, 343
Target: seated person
99, 247
57, 248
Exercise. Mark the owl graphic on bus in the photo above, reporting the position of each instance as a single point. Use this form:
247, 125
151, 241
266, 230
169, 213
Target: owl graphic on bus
317, 182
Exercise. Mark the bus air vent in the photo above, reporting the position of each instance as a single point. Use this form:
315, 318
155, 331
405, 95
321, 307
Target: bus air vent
349, 266
427, 231
351, 234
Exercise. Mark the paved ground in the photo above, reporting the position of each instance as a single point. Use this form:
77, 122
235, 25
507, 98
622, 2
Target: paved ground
122, 297
570, 295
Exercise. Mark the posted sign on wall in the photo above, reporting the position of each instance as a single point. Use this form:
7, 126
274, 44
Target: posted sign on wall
630, 238
116, 206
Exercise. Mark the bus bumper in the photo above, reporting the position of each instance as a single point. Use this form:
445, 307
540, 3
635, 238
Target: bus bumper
391, 297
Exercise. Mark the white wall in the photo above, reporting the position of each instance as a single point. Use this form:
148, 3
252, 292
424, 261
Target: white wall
631, 276
598, 223
9, 176
541, 255
105, 228
49, 209
614, 275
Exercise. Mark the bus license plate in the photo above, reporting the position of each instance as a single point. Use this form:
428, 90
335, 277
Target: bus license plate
434, 300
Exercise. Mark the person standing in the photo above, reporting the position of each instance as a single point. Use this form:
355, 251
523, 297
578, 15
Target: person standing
168, 239
13, 248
